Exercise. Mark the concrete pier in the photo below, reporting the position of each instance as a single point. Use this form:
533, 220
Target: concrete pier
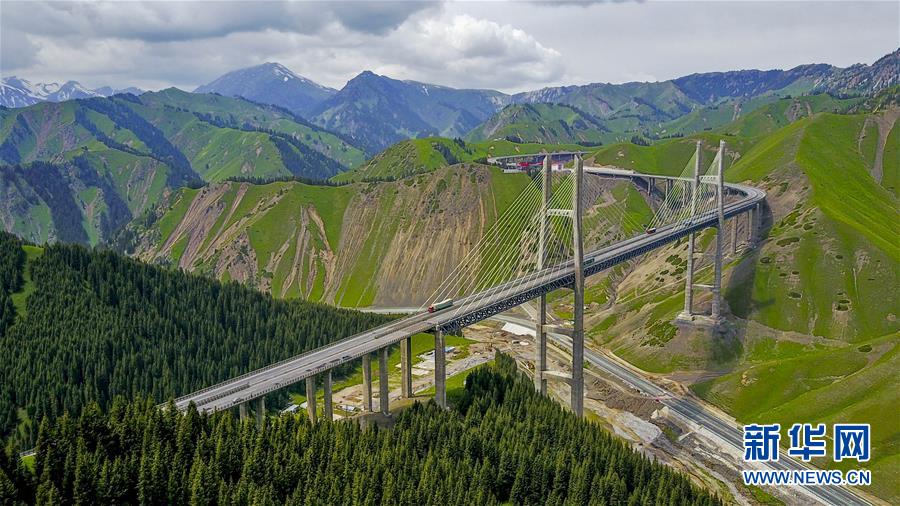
750, 228
383, 386
242, 410
260, 410
311, 398
734, 235
367, 383
406, 368
440, 369
328, 397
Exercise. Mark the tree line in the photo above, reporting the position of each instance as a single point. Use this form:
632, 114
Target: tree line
503, 443
98, 325
12, 259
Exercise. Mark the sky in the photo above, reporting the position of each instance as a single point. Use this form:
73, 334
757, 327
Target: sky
504, 45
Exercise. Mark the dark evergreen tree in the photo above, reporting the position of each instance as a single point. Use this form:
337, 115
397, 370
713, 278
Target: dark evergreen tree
137, 453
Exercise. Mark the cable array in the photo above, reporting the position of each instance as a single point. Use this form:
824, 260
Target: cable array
505, 259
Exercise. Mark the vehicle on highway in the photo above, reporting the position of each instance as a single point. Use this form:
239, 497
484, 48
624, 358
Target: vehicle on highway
651, 230
440, 305
237, 400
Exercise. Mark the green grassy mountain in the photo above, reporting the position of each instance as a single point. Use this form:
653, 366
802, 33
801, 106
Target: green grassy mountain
623, 107
706, 101
79, 170
813, 334
755, 116
543, 123
418, 156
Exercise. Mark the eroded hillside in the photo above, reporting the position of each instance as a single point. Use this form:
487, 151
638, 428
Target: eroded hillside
384, 244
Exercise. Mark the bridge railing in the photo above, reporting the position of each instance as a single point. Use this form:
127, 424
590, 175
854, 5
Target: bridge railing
280, 363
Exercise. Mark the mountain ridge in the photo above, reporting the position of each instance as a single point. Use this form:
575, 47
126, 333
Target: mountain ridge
378, 111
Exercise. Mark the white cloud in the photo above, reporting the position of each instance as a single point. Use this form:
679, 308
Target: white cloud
510, 46
466, 51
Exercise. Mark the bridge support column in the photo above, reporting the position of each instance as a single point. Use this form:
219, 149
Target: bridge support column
577, 386
440, 369
734, 235
383, 387
367, 382
754, 219
328, 397
242, 410
406, 368
260, 411
750, 228
668, 188
311, 398
540, 334
688, 312
689, 279
720, 230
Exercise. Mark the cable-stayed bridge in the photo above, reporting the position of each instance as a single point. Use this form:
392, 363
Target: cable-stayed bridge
554, 235
539, 244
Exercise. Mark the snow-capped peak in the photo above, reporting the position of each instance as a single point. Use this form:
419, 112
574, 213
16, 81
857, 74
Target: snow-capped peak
16, 92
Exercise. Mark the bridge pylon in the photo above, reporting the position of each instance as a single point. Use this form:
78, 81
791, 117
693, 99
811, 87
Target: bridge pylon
540, 331
542, 373
577, 387
688, 315
720, 231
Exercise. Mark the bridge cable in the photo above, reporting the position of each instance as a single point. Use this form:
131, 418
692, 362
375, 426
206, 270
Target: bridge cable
445, 288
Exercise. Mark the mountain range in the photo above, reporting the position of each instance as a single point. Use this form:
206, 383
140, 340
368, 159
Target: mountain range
376, 111
16, 92
76, 171
373, 111
79, 170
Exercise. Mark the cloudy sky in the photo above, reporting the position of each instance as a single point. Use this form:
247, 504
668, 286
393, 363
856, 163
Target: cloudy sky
510, 46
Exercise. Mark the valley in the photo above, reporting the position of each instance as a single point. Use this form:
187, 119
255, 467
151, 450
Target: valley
265, 204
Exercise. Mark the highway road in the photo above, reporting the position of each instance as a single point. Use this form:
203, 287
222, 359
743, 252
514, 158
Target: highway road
693, 411
464, 312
